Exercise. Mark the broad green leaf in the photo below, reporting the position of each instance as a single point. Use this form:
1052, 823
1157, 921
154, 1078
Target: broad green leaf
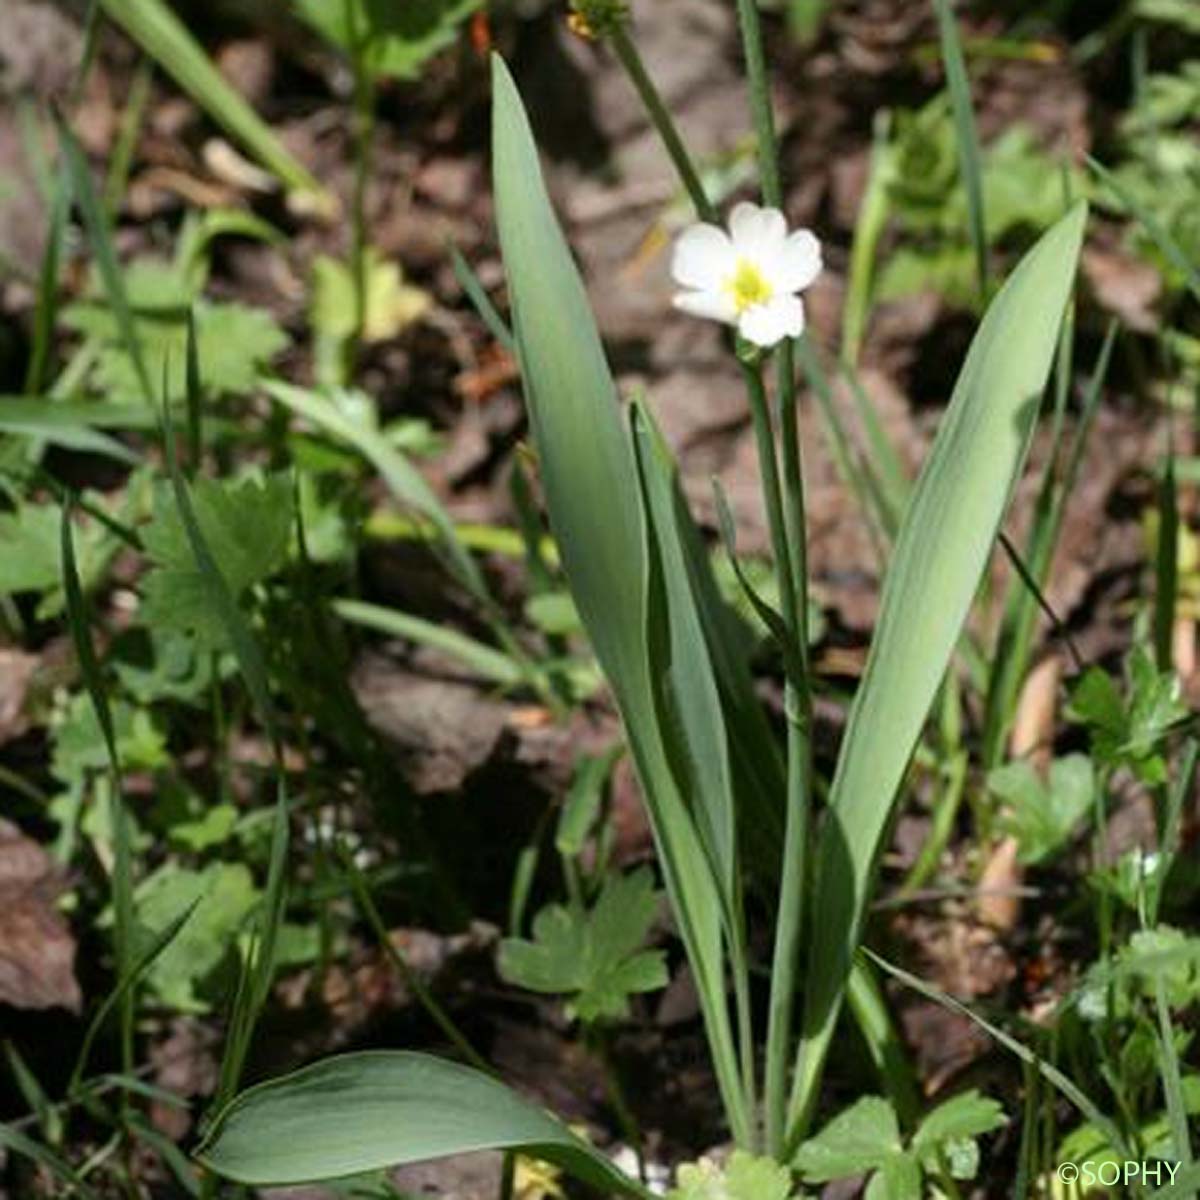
595, 958
79, 741
591, 484
858, 1140
364, 1112
940, 556
247, 526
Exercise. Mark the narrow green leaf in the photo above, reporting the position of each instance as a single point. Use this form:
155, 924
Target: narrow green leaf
480, 301
364, 1112
96, 222
405, 482
967, 137
940, 556
590, 480
124, 987
46, 308
43, 420
122, 870
57, 1166
165, 38
489, 664
1050, 1073
1171, 249
1166, 568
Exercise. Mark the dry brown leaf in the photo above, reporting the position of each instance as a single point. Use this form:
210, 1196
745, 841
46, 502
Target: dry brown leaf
16, 670
999, 903
37, 951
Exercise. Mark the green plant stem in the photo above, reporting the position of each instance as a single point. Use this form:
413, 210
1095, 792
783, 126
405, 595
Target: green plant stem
411, 979
656, 110
602, 1042
789, 920
792, 566
364, 137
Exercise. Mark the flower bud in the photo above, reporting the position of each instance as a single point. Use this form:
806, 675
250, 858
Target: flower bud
597, 19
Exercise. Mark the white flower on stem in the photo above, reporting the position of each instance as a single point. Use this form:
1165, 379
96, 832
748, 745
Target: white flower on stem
750, 277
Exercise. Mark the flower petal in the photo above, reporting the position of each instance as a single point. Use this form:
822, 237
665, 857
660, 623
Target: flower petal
768, 324
798, 263
758, 234
715, 304
703, 257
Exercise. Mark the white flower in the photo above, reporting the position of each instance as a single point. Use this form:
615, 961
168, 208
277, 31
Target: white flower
748, 277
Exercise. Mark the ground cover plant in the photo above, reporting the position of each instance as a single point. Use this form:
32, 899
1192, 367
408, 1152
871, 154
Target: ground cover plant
599, 598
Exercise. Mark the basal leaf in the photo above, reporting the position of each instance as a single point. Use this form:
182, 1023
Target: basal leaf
940, 555
364, 1112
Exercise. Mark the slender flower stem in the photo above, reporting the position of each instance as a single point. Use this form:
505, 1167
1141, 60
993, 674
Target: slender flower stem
790, 917
364, 138
631, 60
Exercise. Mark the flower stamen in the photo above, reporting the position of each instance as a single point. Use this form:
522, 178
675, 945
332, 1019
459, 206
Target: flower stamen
748, 287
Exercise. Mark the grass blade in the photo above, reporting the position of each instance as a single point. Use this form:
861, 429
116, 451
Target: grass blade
404, 481
941, 552
1051, 1074
489, 664
46, 308
1170, 248
1166, 567
480, 300
96, 222
164, 37
12, 1139
122, 871
43, 421
124, 986
966, 136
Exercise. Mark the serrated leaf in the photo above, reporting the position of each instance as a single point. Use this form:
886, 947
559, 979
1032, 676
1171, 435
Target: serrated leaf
860, 1139
234, 341
1043, 815
595, 958
247, 527
224, 895
966, 1115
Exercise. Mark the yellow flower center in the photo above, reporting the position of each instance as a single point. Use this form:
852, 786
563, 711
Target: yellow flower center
747, 286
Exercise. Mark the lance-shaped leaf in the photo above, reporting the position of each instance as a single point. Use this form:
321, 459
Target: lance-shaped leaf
363, 1112
591, 483
940, 556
